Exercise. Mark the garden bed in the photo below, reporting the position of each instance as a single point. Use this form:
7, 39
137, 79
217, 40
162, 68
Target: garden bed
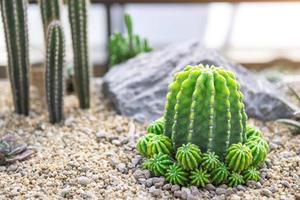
92, 155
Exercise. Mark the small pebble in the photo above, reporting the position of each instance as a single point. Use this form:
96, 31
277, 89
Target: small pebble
195, 191
286, 184
12, 168
265, 192
210, 187
83, 180
185, 192
136, 160
101, 134
138, 174
167, 186
65, 192
175, 188
2, 168
235, 197
116, 142
258, 185
155, 192
149, 182
121, 167
240, 187
220, 191
273, 189
87, 195
177, 193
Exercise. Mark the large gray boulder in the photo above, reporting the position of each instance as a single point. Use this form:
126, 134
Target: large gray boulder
137, 88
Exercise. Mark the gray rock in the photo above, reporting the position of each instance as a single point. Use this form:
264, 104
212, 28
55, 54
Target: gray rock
155, 192
195, 191
220, 191
210, 187
149, 182
147, 173
167, 186
65, 192
177, 193
266, 192
138, 174
137, 88
258, 185
87, 195
121, 167
175, 188
240, 187
12, 168
83, 180
185, 192
2, 168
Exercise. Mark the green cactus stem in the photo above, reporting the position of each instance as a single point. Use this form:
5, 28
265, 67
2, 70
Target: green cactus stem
252, 131
78, 21
251, 174
159, 143
239, 157
188, 156
210, 161
259, 149
220, 174
159, 164
55, 57
157, 127
50, 11
14, 15
205, 107
142, 144
176, 175
235, 179
199, 178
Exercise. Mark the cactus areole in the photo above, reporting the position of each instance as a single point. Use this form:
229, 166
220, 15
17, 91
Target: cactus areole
205, 107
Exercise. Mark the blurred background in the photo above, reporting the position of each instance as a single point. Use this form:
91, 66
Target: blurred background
258, 35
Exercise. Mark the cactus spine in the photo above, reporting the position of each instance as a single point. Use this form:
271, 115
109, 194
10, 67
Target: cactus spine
78, 21
55, 56
14, 14
50, 10
205, 107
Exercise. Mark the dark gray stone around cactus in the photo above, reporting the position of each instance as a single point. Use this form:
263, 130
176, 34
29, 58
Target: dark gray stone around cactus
138, 88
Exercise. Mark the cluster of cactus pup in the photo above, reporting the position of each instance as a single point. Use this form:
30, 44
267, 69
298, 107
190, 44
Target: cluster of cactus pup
204, 136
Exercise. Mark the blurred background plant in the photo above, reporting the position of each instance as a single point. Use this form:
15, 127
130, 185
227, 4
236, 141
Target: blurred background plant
123, 47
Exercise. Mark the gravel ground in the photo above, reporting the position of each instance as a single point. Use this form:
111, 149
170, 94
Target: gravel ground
92, 156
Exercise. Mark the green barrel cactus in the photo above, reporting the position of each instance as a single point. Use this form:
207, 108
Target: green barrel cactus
220, 174
188, 156
199, 178
210, 161
259, 149
55, 58
142, 143
157, 127
78, 21
205, 107
158, 164
235, 179
252, 131
159, 143
50, 11
14, 16
239, 157
176, 175
251, 174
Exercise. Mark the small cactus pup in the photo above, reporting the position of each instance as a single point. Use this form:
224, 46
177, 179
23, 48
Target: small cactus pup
159, 143
157, 127
239, 157
55, 60
199, 177
251, 174
50, 11
205, 106
210, 161
259, 149
220, 174
252, 131
158, 164
78, 21
235, 179
176, 175
14, 16
142, 143
188, 156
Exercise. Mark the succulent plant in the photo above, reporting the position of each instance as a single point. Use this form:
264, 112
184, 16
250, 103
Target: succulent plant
78, 21
142, 143
55, 58
220, 174
121, 48
158, 164
210, 161
252, 131
259, 149
11, 150
238, 157
235, 179
188, 156
156, 127
199, 178
159, 143
50, 11
251, 174
14, 15
205, 107
176, 175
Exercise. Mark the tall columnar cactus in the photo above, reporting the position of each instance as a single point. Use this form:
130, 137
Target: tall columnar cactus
50, 10
14, 14
205, 107
78, 21
54, 71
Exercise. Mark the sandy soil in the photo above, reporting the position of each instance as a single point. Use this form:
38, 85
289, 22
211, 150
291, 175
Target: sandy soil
92, 156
